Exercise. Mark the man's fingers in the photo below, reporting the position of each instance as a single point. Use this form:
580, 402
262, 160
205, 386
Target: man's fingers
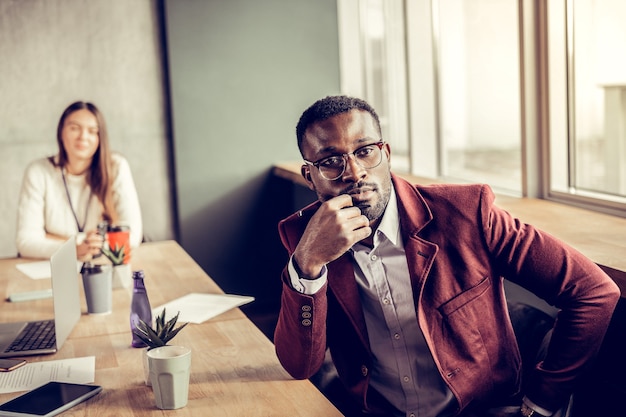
333, 229
356, 222
340, 202
350, 213
363, 233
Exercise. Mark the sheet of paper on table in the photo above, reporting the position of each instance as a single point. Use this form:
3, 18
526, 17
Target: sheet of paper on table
39, 269
197, 307
33, 374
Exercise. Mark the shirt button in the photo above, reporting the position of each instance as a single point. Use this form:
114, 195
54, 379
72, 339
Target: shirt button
412, 415
306, 308
364, 370
396, 336
406, 379
306, 322
373, 257
386, 301
306, 315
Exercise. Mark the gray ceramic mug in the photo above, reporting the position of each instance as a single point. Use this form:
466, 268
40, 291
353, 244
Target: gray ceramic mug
98, 288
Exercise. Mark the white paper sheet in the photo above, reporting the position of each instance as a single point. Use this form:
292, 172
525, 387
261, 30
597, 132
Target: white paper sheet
34, 374
35, 270
40, 269
197, 307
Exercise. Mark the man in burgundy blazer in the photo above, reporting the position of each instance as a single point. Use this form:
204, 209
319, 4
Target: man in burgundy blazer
458, 247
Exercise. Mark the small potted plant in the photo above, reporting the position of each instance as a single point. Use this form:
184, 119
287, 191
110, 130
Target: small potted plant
115, 255
163, 332
122, 274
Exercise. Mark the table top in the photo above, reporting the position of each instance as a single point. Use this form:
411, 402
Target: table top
234, 369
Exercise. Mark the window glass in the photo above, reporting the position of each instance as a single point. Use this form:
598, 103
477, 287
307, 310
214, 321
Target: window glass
598, 95
385, 88
479, 91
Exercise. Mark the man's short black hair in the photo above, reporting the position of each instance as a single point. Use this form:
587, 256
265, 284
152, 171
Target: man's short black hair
328, 107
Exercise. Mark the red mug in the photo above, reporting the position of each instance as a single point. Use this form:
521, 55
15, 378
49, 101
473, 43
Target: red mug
118, 236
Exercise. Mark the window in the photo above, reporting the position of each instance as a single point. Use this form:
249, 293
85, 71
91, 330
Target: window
529, 97
587, 108
477, 57
373, 66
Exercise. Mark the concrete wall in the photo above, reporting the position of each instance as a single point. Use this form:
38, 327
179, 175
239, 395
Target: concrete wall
242, 72
54, 52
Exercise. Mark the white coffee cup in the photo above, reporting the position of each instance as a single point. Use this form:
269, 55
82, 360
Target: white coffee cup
169, 375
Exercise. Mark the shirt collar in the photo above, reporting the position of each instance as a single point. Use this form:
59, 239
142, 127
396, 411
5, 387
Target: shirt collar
390, 223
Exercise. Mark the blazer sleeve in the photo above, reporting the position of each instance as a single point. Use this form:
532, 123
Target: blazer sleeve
300, 335
556, 272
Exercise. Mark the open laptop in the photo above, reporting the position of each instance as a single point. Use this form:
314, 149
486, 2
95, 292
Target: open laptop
66, 300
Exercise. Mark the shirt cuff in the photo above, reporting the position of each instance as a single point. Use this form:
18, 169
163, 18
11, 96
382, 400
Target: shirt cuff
535, 407
303, 285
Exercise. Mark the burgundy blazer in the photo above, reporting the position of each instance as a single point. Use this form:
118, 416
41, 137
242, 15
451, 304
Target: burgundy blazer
459, 246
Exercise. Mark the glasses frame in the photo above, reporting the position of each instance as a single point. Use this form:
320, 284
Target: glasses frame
345, 157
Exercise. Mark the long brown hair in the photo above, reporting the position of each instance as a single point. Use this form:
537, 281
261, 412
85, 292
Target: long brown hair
100, 176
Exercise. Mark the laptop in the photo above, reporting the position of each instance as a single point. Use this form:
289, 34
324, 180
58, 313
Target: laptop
66, 301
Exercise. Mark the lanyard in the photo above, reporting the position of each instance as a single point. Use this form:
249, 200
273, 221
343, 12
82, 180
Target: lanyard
80, 227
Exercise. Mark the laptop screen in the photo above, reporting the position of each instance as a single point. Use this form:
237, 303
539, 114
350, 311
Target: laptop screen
65, 290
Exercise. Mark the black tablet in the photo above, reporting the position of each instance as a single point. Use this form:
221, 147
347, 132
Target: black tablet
48, 400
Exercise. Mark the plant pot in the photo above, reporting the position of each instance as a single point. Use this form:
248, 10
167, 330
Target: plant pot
146, 368
122, 276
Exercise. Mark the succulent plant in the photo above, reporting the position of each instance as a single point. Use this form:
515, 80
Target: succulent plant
115, 255
163, 333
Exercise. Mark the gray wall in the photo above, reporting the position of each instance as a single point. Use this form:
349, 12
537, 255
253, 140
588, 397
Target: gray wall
53, 52
242, 72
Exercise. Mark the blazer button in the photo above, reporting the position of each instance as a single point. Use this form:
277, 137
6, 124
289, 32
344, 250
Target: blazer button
364, 370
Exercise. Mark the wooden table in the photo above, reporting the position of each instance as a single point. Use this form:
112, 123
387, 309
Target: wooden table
234, 370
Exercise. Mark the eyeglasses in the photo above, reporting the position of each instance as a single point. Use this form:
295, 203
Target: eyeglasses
333, 167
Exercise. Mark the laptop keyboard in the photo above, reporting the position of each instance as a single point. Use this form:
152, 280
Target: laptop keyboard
36, 335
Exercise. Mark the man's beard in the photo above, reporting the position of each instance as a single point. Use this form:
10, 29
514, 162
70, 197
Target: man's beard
373, 211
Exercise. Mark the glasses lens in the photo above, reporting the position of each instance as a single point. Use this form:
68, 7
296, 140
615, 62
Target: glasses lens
369, 156
332, 167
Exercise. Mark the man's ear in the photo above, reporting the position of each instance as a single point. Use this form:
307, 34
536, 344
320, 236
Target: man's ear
305, 170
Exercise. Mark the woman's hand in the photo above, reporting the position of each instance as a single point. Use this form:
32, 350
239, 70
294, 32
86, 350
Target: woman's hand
89, 244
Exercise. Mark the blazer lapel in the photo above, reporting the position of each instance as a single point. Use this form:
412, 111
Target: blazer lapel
414, 215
